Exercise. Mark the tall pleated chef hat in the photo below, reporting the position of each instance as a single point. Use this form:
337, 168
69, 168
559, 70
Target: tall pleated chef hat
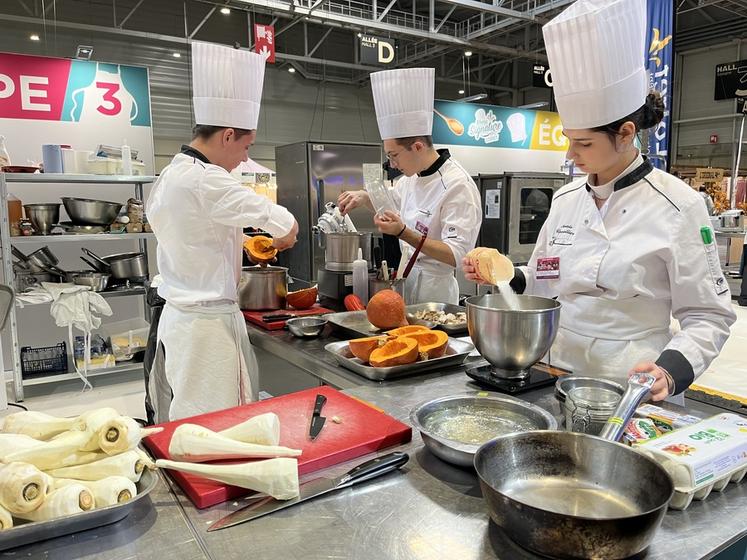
404, 101
226, 85
596, 55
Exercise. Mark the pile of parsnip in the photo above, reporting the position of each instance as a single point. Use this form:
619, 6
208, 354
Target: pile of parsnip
53, 467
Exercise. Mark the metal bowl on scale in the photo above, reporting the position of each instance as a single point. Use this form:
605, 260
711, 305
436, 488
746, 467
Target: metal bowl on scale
512, 340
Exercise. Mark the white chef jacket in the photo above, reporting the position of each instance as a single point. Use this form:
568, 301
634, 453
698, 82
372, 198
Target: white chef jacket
445, 200
203, 360
198, 212
628, 268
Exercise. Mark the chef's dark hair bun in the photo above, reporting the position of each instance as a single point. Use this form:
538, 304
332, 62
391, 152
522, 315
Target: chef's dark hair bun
647, 116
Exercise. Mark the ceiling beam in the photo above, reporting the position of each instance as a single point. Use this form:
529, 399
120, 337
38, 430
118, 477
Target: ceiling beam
481, 7
132, 11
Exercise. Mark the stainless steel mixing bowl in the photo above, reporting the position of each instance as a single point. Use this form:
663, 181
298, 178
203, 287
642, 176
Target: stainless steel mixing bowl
85, 211
43, 216
306, 327
512, 340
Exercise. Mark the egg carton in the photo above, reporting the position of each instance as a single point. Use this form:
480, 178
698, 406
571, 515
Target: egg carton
702, 458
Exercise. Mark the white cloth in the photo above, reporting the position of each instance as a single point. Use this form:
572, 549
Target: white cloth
204, 361
198, 212
226, 85
447, 202
403, 100
75, 307
596, 53
624, 275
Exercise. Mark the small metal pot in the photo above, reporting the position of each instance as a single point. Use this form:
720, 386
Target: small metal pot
121, 266
263, 288
341, 249
43, 216
97, 281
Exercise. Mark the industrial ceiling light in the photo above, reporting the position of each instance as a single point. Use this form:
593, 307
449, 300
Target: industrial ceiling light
177, 55
461, 92
471, 98
225, 11
83, 52
292, 70
35, 37
536, 105
467, 53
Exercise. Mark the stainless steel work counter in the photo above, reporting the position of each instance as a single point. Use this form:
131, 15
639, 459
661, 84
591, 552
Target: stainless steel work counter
430, 510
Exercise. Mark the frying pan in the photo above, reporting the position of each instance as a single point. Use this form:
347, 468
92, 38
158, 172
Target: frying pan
572, 495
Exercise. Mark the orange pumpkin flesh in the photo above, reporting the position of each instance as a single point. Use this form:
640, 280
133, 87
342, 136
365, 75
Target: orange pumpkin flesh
260, 248
409, 329
386, 310
302, 299
397, 352
361, 348
432, 344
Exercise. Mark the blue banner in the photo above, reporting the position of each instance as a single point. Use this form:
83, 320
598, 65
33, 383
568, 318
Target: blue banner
660, 53
493, 126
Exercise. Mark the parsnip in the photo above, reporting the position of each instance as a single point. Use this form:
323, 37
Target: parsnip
52, 453
22, 487
91, 422
275, 477
6, 519
121, 434
10, 443
128, 464
263, 430
197, 444
37, 425
68, 500
108, 491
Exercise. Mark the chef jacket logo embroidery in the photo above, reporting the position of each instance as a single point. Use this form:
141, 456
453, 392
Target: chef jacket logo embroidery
451, 233
485, 127
563, 236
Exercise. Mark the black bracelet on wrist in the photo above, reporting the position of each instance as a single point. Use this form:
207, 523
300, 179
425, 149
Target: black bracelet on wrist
403, 231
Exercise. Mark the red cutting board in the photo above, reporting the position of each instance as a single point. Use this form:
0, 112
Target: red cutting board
363, 429
255, 317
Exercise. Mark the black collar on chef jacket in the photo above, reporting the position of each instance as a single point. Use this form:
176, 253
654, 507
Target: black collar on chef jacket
191, 152
633, 177
443, 155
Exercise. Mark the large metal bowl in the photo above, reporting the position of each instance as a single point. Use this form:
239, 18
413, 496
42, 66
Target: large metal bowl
444, 423
512, 340
43, 216
85, 211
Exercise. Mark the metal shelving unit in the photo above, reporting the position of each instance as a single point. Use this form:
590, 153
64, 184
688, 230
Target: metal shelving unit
6, 240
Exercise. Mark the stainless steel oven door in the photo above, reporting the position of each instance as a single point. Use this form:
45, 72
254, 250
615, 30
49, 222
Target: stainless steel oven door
528, 209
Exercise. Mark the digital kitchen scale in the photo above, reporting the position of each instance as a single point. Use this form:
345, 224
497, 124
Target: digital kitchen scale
540, 375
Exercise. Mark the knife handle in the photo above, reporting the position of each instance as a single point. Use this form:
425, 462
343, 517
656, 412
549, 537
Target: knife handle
374, 467
320, 400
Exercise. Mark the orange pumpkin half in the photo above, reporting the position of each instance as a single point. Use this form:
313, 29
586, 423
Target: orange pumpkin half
302, 299
409, 329
431, 344
260, 248
397, 352
361, 348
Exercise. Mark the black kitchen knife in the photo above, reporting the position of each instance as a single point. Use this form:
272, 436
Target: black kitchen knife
317, 421
313, 488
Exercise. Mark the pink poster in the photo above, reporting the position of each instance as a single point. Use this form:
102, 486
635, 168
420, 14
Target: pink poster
32, 87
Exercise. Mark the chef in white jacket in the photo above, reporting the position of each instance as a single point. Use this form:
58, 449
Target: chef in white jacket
204, 361
436, 198
628, 247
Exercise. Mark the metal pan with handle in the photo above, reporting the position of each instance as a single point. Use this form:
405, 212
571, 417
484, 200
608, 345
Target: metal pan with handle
572, 495
122, 265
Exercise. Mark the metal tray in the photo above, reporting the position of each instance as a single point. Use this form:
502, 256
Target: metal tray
355, 323
28, 533
456, 353
451, 330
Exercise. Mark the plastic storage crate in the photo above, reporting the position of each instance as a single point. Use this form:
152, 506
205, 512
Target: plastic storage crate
44, 361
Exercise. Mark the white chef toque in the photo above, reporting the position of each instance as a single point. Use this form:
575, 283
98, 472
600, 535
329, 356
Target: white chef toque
404, 101
226, 85
596, 52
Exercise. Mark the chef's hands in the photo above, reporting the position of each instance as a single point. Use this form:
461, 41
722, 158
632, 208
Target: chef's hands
663, 386
470, 271
352, 199
389, 222
287, 241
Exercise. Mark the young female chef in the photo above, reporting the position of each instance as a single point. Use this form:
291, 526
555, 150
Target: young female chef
204, 361
633, 243
437, 197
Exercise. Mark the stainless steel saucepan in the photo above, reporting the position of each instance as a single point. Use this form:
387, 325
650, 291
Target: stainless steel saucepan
121, 266
571, 495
